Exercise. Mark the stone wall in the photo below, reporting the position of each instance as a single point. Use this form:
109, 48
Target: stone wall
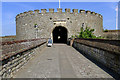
105, 52
16, 54
112, 34
47, 21
8, 38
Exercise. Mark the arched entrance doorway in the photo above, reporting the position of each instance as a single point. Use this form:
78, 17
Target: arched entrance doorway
59, 35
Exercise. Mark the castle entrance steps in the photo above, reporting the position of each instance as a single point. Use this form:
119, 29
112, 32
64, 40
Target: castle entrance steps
60, 61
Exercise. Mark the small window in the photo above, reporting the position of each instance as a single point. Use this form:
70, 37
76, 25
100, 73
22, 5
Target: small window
25, 23
83, 24
70, 21
68, 18
50, 18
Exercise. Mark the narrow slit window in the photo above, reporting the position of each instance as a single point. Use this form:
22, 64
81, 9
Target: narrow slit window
68, 18
50, 18
83, 24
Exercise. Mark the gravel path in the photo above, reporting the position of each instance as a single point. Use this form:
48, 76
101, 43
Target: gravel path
60, 61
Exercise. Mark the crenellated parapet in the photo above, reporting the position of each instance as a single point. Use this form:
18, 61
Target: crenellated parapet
43, 10
51, 10
93, 13
82, 11
88, 12
59, 10
75, 10
36, 11
30, 12
67, 10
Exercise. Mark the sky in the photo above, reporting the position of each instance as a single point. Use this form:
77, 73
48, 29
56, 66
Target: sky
118, 15
11, 9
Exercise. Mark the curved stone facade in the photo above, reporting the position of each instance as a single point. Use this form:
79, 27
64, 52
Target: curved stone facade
47, 21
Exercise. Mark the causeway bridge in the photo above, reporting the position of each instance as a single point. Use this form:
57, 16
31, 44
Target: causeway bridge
79, 58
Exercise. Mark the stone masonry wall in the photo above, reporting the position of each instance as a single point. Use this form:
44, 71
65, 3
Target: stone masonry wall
8, 38
14, 59
112, 34
47, 21
103, 52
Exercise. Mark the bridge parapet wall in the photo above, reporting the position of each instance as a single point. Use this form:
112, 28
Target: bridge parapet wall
105, 52
16, 53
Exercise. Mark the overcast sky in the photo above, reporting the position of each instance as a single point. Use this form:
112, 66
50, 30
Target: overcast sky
11, 9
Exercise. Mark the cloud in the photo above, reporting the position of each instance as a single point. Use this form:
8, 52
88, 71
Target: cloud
114, 6
116, 9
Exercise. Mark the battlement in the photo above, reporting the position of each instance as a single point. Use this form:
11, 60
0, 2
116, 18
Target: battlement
59, 10
88, 12
82, 11
51, 10
36, 11
96, 14
43, 10
93, 13
75, 10
67, 10
30, 12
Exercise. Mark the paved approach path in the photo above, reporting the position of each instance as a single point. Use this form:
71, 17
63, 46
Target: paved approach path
60, 61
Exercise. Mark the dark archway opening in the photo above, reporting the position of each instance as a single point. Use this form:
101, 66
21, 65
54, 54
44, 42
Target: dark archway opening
59, 35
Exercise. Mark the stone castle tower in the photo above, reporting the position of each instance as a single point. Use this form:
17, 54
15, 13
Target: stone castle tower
56, 25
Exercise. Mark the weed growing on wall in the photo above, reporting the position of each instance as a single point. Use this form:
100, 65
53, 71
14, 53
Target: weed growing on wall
86, 33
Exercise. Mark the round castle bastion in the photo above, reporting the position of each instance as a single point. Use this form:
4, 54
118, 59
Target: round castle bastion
56, 25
